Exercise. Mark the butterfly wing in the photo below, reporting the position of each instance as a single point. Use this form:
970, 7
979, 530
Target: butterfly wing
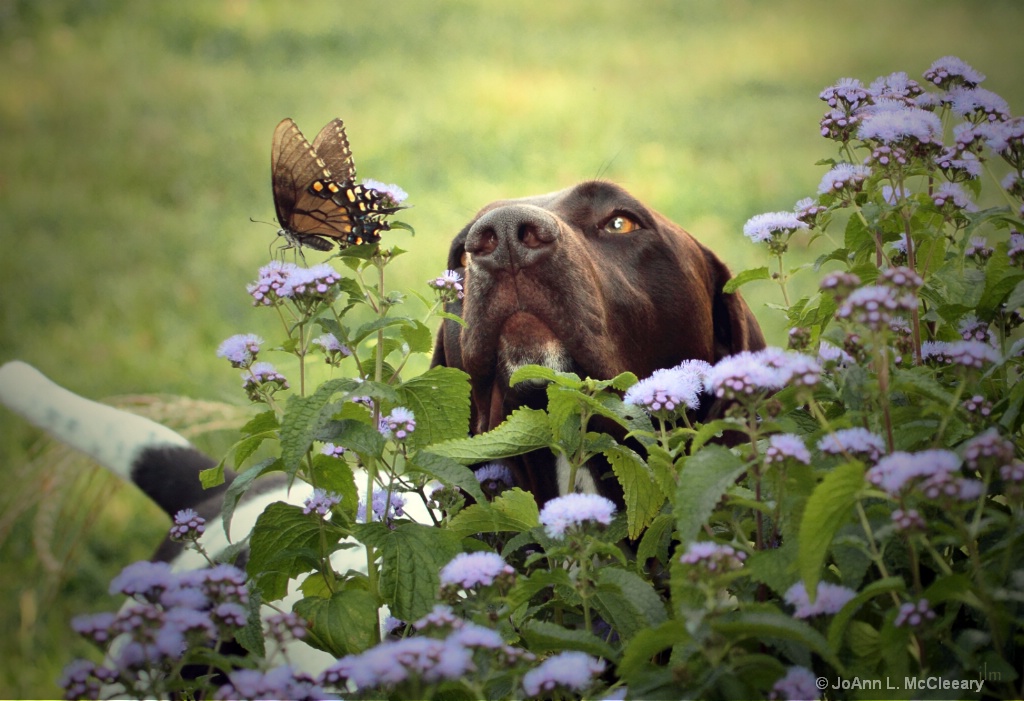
331, 144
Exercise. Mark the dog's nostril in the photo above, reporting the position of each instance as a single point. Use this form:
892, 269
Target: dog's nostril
529, 236
484, 242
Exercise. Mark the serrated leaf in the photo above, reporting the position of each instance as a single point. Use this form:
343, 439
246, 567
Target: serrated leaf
355, 435
524, 430
744, 276
448, 471
512, 511
412, 556
627, 602
303, 418
419, 336
525, 588
827, 509
636, 656
439, 398
641, 492
344, 624
705, 477
240, 486
528, 373
837, 628
656, 541
542, 636
280, 547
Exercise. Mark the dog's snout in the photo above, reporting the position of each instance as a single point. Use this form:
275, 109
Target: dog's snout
513, 237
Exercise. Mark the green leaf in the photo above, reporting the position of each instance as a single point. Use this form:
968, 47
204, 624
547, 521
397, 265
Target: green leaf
542, 636
449, 472
529, 373
524, 430
419, 336
412, 556
656, 541
440, 400
837, 628
772, 624
636, 657
344, 624
827, 509
628, 602
641, 492
240, 486
705, 477
514, 510
355, 435
525, 588
744, 276
303, 418
280, 547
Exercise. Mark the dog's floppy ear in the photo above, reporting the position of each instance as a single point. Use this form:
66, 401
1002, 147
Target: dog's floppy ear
448, 347
736, 327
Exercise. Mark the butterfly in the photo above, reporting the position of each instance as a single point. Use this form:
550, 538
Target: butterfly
316, 198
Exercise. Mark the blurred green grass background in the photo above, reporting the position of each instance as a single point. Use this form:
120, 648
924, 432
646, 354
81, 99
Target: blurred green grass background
135, 149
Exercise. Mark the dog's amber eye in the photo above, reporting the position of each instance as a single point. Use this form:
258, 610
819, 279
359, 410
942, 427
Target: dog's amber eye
620, 224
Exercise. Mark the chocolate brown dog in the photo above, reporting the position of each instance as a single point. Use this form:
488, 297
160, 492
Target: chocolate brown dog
586, 280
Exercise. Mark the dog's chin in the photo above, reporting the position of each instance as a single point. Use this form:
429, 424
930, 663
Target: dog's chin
527, 340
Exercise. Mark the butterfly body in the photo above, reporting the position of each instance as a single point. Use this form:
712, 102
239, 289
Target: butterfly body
317, 200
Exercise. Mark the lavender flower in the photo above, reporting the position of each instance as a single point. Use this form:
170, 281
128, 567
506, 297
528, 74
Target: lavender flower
97, 627
843, 178
278, 683
846, 94
808, 210
907, 520
333, 451
895, 122
875, 305
914, 614
440, 618
385, 506
1016, 248
786, 445
188, 525
262, 377
333, 349
832, 355
988, 446
393, 662
240, 350
310, 285
977, 404
951, 198
978, 249
1013, 183
469, 570
950, 71
476, 636
798, 684
1013, 472
958, 166
978, 105
765, 227
894, 86
449, 284
858, 442
749, 373
82, 679
573, 511
841, 283
286, 626
713, 557
398, 424
143, 580
393, 194
321, 502
671, 389
970, 354
271, 279
494, 477
895, 471
839, 125
831, 598
571, 671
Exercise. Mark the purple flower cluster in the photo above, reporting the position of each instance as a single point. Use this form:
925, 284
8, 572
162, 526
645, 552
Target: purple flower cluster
567, 671
977, 404
321, 502
875, 306
749, 373
831, 598
951, 198
188, 525
494, 477
969, 354
798, 684
393, 194
448, 284
82, 679
713, 557
332, 451
858, 442
930, 473
843, 179
240, 350
278, 683
895, 123
670, 390
385, 505
172, 611
428, 659
262, 378
914, 614
573, 511
907, 520
277, 281
772, 225
988, 447
398, 424
334, 350
949, 71
478, 569
786, 446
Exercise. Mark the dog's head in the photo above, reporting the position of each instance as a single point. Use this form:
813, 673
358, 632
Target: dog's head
587, 280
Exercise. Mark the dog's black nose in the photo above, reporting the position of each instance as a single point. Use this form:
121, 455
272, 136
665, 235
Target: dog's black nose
512, 237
